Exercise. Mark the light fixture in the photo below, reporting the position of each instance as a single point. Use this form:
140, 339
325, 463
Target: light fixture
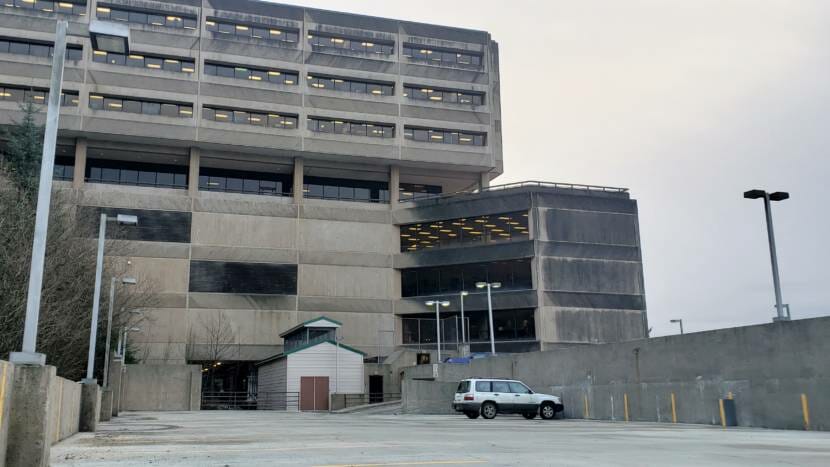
110, 37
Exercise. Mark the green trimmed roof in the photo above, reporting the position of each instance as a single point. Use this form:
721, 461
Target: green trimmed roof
308, 346
311, 321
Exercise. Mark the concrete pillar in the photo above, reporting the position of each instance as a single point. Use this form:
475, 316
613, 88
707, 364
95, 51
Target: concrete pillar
29, 425
6, 380
115, 379
484, 181
394, 186
106, 405
90, 407
80, 163
298, 180
193, 171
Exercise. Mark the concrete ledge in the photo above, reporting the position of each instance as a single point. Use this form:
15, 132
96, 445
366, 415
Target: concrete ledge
90, 407
106, 405
29, 424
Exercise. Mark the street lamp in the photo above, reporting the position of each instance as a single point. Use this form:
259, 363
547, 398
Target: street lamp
125, 281
28, 354
122, 219
680, 322
490, 285
437, 304
463, 294
767, 197
124, 332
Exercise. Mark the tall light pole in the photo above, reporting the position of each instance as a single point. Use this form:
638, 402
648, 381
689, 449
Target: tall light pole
122, 219
767, 197
680, 322
489, 286
113, 35
438, 304
125, 281
124, 332
463, 294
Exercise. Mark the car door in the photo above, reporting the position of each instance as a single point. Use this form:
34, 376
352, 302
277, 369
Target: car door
503, 396
522, 397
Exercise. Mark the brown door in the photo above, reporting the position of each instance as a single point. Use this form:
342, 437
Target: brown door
314, 393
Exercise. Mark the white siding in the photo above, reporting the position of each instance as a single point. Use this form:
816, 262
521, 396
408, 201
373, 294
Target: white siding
271, 378
321, 360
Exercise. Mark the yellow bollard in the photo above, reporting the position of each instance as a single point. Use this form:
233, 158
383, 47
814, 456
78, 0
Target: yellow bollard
625, 400
673, 409
805, 411
586, 413
3, 391
722, 414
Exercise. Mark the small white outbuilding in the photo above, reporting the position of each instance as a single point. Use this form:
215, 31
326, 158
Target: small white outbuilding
311, 368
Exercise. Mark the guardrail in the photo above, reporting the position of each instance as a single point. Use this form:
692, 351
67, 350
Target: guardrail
525, 184
353, 400
250, 401
278, 401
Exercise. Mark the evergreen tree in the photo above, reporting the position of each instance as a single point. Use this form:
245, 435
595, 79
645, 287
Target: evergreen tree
23, 150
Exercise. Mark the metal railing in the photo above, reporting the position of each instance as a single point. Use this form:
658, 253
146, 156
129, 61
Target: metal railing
278, 401
247, 401
353, 400
525, 184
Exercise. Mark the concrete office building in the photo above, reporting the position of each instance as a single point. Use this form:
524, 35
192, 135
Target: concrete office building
287, 163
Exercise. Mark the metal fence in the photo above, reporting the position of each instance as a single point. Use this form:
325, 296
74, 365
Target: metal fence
250, 401
526, 184
352, 400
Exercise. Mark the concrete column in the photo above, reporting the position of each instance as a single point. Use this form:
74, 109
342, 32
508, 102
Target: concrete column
29, 424
80, 163
106, 405
6, 380
115, 379
394, 185
298, 180
193, 171
484, 181
90, 407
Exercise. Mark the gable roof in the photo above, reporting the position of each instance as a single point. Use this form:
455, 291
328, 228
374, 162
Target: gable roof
319, 322
308, 346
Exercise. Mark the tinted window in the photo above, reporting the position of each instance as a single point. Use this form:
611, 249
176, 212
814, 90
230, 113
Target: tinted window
483, 386
519, 388
500, 386
463, 386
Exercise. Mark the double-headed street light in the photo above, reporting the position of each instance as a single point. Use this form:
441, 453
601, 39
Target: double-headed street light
122, 219
767, 197
680, 322
125, 281
111, 37
461, 295
489, 286
437, 304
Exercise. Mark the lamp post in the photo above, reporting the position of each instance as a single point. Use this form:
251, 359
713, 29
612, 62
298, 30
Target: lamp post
122, 219
115, 32
438, 304
125, 331
125, 281
463, 294
489, 286
767, 197
680, 322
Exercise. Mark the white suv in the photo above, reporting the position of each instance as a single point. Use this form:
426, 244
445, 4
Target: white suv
488, 396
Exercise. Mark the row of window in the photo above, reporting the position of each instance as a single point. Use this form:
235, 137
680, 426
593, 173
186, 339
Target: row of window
38, 49
145, 17
245, 117
434, 135
36, 96
513, 275
145, 61
351, 85
346, 189
73, 7
343, 127
445, 56
491, 228
517, 324
118, 104
451, 96
249, 73
317, 39
136, 174
258, 32
236, 181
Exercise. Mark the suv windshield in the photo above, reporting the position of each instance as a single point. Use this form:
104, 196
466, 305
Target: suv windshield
463, 386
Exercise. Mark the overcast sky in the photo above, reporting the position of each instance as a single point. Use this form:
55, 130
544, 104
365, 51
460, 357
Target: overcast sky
687, 103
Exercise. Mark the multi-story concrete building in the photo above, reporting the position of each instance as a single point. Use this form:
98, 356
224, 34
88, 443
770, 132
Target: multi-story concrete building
287, 163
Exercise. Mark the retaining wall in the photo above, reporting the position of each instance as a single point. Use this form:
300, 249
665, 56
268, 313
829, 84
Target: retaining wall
64, 409
766, 369
161, 387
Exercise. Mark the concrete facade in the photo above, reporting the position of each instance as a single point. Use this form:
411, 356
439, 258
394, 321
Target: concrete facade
765, 368
161, 387
201, 250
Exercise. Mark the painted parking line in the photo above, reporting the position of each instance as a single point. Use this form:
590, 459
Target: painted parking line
456, 462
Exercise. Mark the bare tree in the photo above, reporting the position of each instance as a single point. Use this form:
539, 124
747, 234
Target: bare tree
219, 338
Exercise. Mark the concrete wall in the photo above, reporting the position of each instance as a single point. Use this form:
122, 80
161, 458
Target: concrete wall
162, 387
64, 409
766, 368
6, 379
427, 397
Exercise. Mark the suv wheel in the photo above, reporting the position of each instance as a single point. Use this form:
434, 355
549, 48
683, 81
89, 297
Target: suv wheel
489, 410
548, 411
471, 414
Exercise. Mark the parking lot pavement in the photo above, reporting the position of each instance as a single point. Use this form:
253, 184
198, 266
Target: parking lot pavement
248, 438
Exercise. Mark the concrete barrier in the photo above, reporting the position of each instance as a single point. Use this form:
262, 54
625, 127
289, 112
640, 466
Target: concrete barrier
64, 409
30, 416
427, 397
6, 380
161, 387
766, 369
